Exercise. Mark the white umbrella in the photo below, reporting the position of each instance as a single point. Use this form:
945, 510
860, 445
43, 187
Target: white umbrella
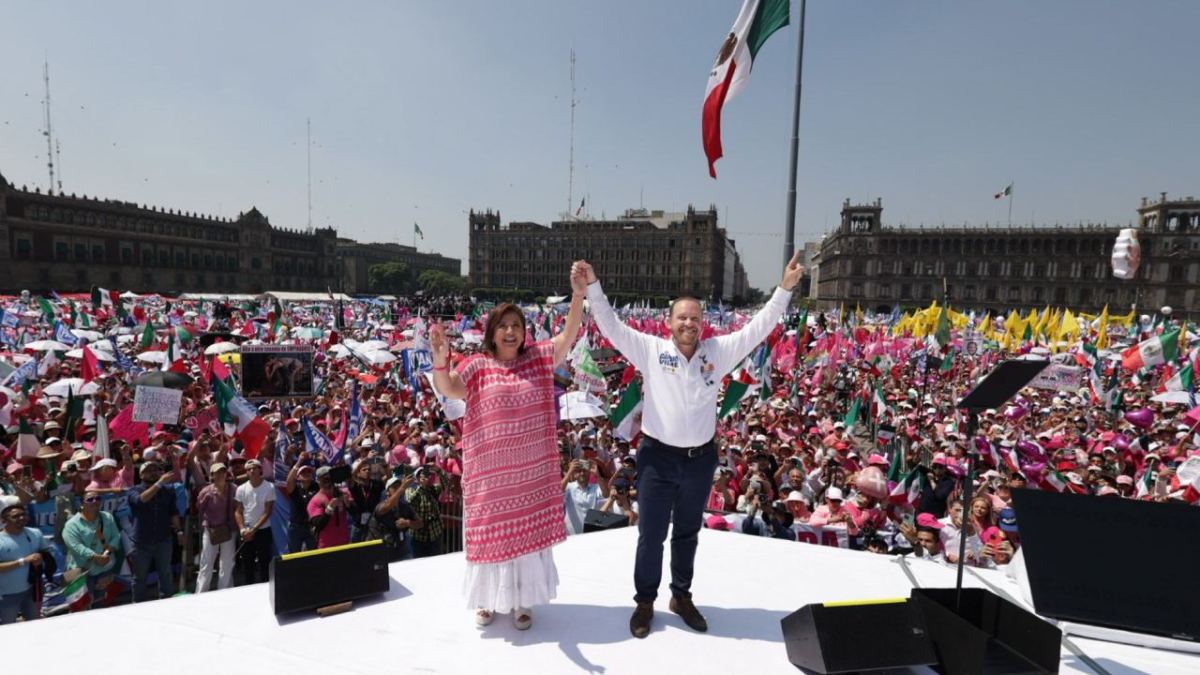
579, 397
221, 348
472, 337
101, 344
126, 339
339, 351
17, 358
46, 346
377, 357
152, 357
130, 294
71, 385
89, 335
1178, 397
372, 345
100, 355
577, 409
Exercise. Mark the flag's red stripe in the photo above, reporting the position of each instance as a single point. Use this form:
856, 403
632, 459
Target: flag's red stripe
711, 123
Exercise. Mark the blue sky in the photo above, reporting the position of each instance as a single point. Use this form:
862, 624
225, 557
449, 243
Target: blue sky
421, 111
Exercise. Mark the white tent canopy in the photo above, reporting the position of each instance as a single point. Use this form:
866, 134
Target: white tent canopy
293, 296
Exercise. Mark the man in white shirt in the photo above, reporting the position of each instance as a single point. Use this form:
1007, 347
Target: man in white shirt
252, 506
676, 459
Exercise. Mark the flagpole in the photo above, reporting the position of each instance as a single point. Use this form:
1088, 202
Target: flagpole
789, 242
1010, 194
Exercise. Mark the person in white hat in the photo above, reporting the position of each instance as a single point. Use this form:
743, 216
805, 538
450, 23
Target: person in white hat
833, 512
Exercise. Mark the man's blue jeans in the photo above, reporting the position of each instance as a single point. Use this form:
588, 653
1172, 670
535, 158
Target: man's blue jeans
300, 538
18, 603
158, 556
672, 489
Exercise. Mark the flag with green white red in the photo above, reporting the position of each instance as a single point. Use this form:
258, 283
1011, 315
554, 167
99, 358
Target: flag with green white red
755, 22
626, 417
1155, 351
586, 373
739, 387
76, 594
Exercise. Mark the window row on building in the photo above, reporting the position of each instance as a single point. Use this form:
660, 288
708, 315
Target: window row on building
141, 225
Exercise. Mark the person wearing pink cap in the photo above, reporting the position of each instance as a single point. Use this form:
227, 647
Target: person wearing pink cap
833, 513
927, 539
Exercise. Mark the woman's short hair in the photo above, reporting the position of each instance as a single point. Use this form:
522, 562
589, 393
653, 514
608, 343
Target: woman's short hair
493, 322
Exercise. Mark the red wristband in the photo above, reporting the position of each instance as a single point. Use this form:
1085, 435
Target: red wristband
439, 368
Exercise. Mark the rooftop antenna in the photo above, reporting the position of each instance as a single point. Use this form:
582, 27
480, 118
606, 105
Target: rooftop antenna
308, 148
47, 131
571, 161
58, 161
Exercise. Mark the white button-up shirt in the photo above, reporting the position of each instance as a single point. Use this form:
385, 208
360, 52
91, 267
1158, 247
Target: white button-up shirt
680, 394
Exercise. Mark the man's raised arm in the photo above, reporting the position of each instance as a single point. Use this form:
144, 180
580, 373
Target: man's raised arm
734, 347
635, 346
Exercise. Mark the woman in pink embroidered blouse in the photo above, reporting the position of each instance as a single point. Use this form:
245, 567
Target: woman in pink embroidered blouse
512, 497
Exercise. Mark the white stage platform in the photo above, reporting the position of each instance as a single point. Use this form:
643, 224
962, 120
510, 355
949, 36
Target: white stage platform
744, 585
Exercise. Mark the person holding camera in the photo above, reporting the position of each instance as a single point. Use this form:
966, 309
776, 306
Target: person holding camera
365, 494
581, 494
327, 511
681, 381
424, 496
299, 489
512, 498
393, 519
157, 527
620, 498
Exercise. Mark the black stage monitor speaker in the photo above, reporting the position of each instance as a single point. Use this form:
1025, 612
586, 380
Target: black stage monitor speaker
987, 635
1075, 567
828, 638
597, 520
328, 576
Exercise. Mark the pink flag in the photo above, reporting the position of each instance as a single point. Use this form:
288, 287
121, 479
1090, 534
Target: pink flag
124, 428
1193, 415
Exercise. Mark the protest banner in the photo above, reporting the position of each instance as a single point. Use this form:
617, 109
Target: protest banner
156, 405
825, 536
277, 371
1059, 377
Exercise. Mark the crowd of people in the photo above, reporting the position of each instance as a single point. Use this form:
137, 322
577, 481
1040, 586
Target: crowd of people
838, 429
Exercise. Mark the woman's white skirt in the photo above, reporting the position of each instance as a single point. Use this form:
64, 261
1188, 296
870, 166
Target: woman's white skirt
527, 581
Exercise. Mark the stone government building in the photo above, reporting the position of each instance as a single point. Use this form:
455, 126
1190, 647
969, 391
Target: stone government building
643, 253
68, 243
996, 269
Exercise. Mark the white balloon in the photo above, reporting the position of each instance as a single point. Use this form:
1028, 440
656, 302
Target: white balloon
1126, 255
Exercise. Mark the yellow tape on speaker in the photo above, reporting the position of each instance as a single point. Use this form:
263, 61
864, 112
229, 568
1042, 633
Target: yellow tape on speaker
331, 549
852, 603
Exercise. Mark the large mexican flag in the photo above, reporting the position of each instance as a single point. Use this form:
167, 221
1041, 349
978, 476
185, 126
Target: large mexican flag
755, 23
1157, 350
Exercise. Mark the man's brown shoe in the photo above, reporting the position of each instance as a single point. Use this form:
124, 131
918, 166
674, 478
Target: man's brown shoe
682, 605
639, 623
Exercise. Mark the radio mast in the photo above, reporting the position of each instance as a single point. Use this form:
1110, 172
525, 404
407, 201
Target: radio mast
47, 131
571, 161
